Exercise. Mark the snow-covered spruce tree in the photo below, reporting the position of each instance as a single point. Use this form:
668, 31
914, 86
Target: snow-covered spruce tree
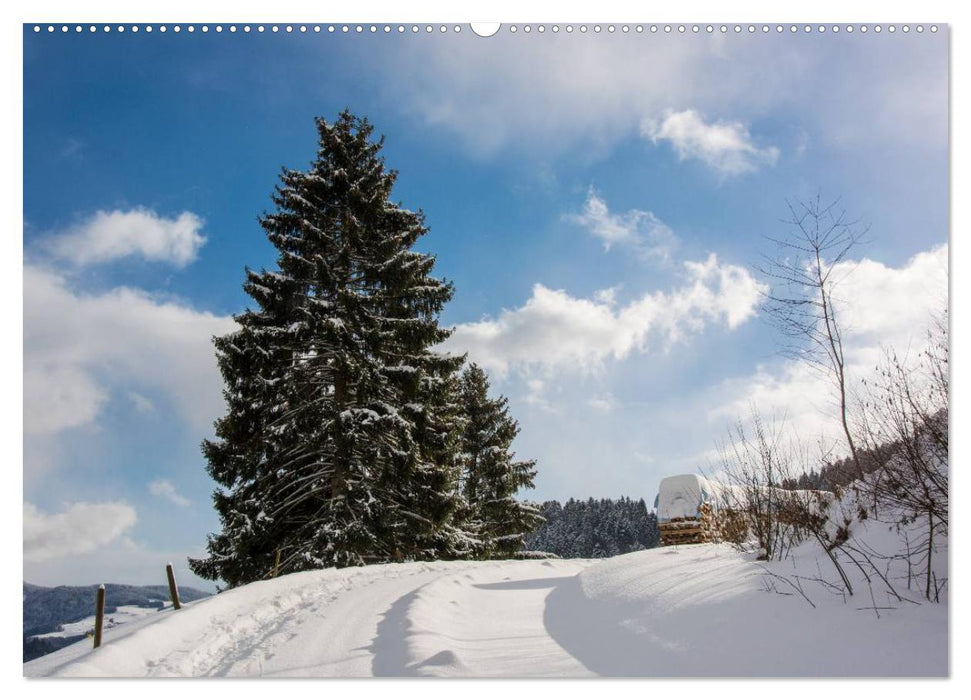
490, 475
339, 444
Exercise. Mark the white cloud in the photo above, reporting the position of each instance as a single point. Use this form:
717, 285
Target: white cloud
163, 488
879, 308
81, 348
605, 403
141, 403
639, 230
555, 330
725, 147
123, 560
57, 394
552, 93
81, 528
110, 235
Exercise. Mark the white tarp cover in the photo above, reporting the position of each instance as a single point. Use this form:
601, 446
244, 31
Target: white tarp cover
681, 496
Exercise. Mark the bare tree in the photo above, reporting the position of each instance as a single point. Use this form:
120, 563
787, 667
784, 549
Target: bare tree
907, 410
802, 298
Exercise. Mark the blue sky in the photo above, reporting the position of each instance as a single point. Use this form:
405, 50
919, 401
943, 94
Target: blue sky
600, 201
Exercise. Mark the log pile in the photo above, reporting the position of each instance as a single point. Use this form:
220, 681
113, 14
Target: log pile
704, 528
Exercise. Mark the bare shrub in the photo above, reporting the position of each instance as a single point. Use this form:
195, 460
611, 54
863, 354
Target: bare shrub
907, 409
755, 463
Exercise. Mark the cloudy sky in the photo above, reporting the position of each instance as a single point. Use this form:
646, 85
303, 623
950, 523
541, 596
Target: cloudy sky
601, 202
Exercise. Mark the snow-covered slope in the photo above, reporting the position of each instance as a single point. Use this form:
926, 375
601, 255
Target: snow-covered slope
698, 610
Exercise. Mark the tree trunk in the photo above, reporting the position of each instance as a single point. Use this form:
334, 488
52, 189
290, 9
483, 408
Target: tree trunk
339, 477
930, 552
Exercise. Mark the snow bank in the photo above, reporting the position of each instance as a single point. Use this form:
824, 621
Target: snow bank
705, 611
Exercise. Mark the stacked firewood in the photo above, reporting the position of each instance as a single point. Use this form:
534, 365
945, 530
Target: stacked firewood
709, 526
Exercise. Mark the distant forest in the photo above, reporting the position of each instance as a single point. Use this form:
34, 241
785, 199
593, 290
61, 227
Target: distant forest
594, 529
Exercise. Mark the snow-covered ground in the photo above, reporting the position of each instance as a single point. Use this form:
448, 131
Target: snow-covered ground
697, 610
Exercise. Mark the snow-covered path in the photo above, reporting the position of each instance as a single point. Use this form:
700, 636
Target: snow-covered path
695, 610
443, 618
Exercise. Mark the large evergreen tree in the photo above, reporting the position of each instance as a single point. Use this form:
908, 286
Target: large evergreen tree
490, 474
338, 447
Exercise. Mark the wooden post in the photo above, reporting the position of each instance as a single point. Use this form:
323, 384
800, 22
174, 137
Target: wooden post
99, 616
276, 564
173, 589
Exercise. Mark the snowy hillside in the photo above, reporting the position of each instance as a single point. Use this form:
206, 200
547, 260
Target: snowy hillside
697, 610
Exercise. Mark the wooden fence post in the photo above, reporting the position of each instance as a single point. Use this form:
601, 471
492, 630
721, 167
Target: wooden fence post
173, 589
99, 616
276, 564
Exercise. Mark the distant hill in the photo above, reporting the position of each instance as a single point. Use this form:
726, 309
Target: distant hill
48, 610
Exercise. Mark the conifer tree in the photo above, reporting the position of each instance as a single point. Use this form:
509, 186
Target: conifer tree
339, 444
490, 475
